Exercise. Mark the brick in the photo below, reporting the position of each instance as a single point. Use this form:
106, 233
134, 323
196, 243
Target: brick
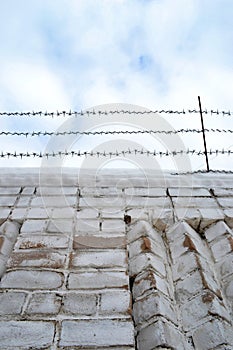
63, 213
228, 213
112, 213
210, 335
225, 202
115, 302
160, 334
87, 213
183, 266
113, 225
19, 214
54, 201
187, 244
31, 226
143, 229
7, 247
194, 311
3, 261
152, 305
191, 215
144, 202
189, 192
146, 192
144, 261
26, 334
79, 304
9, 190
4, 213
42, 259
229, 289
87, 225
10, 231
98, 203
42, 241
101, 191
122, 180
194, 202
98, 242
225, 266
194, 283
223, 192
7, 201
99, 259
217, 230
24, 201
58, 225
149, 281
178, 231
221, 248
96, 333
28, 191
98, 280
11, 303
209, 216
137, 215
162, 218
44, 303
39, 213
56, 191
31, 279
183, 239
146, 244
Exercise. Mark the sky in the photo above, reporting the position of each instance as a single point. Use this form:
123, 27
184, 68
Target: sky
79, 54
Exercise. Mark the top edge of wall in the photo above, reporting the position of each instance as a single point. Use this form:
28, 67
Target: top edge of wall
109, 177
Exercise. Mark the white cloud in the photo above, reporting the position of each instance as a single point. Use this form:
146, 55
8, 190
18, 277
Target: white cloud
34, 86
76, 54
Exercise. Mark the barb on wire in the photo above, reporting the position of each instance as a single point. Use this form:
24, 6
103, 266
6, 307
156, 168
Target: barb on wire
111, 154
109, 132
112, 112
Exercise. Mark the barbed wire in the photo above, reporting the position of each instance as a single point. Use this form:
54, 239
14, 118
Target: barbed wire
112, 154
113, 112
109, 132
217, 171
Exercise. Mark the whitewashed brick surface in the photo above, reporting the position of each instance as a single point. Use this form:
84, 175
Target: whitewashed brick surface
102, 259
11, 302
97, 333
32, 279
79, 304
110, 260
35, 241
9, 190
115, 302
43, 303
26, 334
7, 201
103, 279
31, 226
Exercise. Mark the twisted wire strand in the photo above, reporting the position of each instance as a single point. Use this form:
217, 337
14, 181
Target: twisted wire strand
109, 132
112, 154
113, 112
216, 171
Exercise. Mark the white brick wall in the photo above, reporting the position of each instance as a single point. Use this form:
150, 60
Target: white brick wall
110, 263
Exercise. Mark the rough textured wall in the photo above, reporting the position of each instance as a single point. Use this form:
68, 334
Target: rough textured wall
116, 262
